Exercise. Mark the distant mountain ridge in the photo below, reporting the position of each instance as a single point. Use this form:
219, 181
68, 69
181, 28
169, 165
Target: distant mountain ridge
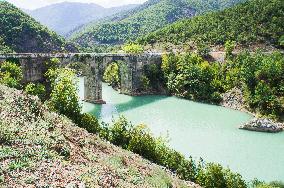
21, 33
144, 19
249, 23
65, 17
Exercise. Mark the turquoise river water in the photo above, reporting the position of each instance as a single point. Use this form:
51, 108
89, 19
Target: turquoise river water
199, 130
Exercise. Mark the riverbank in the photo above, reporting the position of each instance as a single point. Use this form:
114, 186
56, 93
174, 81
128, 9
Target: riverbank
234, 99
42, 148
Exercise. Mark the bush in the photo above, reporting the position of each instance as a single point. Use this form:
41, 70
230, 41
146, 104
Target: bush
139, 140
89, 122
143, 143
36, 89
120, 132
189, 76
132, 48
11, 74
203, 50
229, 48
112, 75
64, 95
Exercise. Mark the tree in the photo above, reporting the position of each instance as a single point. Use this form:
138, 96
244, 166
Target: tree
36, 89
111, 75
64, 95
132, 48
11, 74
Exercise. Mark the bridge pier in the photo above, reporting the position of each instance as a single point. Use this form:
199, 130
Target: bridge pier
93, 82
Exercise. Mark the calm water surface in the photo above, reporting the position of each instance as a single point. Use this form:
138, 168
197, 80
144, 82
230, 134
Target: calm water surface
200, 130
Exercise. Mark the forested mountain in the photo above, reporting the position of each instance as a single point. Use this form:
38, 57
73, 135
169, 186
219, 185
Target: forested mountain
21, 33
150, 16
64, 17
255, 21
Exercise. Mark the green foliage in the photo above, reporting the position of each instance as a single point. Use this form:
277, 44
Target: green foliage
259, 184
153, 77
149, 17
89, 122
132, 48
36, 89
255, 21
203, 49
229, 48
11, 74
259, 75
262, 76
119, 132
64, 95
21, 33
145, 82
138, 139
3, 48
281, 41
112, 75
214, 175
189, 76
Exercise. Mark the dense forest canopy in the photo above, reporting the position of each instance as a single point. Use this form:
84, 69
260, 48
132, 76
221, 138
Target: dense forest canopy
21, 33
255, 21
144, 19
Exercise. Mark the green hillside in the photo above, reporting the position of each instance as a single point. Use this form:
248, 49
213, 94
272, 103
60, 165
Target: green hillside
255, 21
21, 33
146, 18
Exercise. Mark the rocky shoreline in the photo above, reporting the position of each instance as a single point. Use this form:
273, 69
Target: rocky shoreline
234, 99
263, 125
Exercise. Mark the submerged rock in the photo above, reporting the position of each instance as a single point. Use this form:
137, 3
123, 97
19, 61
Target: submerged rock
263, 125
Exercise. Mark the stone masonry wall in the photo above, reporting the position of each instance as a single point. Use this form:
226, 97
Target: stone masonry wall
33, 66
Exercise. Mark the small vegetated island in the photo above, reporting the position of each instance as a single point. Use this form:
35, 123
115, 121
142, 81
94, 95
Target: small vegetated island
225, 52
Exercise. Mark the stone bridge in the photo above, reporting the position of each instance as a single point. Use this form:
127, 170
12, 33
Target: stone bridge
34, 67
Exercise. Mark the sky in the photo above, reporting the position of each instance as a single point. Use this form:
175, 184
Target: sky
33, 4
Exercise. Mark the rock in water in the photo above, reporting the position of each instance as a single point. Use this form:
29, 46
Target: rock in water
263, 125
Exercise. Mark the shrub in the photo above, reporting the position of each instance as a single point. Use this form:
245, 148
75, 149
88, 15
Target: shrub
203, 50
132, 48
89, 122
143, 143
120, 132
145, 82
112, 75
64, 95
139, 140
36, 89
229, 48
11, 74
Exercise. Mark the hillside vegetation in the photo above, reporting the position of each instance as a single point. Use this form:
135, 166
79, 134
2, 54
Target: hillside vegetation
21, 33
65, 17
255, 21
146, 18
40, 148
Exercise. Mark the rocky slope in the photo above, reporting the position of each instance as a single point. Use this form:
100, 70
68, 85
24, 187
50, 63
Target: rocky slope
39, 148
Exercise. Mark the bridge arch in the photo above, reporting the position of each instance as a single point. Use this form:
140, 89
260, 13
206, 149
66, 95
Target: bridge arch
34, 67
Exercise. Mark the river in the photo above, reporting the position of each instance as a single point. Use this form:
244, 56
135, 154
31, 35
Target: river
199, 130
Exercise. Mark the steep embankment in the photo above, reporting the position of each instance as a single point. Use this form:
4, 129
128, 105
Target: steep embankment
21, 33
66, 16
40, 148
149, 17
252, 22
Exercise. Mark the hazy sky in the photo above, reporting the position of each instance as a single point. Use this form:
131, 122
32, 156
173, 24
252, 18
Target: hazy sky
33, 4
